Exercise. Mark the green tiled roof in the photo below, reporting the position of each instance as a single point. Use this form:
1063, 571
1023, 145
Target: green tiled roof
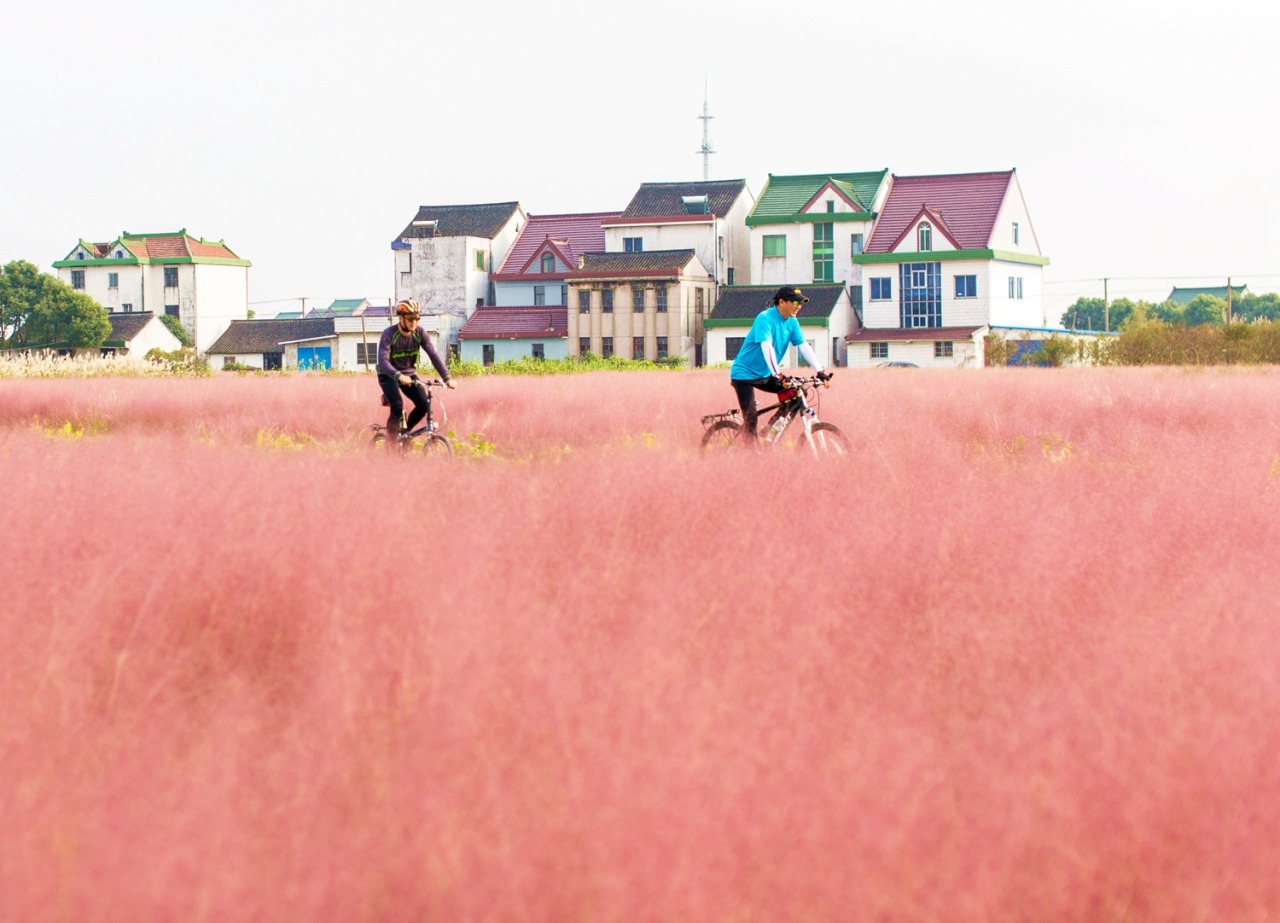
1184, 295
784, 196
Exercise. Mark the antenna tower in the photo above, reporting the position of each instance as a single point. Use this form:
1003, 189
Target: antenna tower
706, 150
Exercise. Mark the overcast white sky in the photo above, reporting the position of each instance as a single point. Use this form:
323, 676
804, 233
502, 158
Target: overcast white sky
306, 135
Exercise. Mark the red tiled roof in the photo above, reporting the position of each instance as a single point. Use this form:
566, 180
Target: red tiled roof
966, 202
912, 333
579, 233
490, 323
175, 246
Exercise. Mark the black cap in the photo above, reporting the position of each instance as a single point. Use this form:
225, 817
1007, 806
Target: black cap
788, 293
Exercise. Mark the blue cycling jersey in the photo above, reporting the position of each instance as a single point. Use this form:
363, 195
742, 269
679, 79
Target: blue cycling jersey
771, 326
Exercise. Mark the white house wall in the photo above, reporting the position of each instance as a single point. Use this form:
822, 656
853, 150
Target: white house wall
715, 348
155, 335
796, 268
966, 353
217, 296
509, 349
520, 294
701, 237
440, 273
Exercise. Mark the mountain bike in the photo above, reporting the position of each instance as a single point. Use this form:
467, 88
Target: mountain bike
424, 434
797, 401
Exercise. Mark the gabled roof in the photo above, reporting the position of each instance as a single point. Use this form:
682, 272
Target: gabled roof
567, 235
484, 221
126, 326
164, 247
968, 203
1184, 294
265, 336
666, 200
663, 263
746, 301
787, 196
522, 323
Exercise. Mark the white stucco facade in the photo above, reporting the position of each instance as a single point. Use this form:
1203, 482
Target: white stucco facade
722, 243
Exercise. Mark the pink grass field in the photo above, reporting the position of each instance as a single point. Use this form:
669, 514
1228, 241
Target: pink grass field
1013, 659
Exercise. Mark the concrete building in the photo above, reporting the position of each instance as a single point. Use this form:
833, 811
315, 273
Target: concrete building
500, 334
825, 320
642, 304
203, 283
444, 257
347, 343
707, 217
949, 256
807, 229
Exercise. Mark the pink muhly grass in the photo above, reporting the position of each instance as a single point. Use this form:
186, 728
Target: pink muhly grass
1014, 658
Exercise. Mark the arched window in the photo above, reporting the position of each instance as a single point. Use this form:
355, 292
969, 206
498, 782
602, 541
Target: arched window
548, 263
926, 237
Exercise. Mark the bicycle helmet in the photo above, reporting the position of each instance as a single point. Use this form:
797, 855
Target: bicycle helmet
408, 308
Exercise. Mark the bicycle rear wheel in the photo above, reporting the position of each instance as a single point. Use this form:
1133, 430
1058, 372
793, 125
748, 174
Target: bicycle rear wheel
720, 436
437, 446
828, 440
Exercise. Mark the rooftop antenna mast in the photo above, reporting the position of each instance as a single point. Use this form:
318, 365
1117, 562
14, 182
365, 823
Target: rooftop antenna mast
706, 150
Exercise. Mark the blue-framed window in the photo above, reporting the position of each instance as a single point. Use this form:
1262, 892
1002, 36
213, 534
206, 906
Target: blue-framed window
539, 295
606, 300
920, 295
633, 244
966, 286
879, 350
584, 301
881, 289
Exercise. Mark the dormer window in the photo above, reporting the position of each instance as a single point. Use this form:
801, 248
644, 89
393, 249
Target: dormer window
79, 254
119, 254
548, 263
695, 205
926, 237
831, 205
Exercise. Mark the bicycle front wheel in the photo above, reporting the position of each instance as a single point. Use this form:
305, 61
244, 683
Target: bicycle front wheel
437, 446
720, 436
826, 439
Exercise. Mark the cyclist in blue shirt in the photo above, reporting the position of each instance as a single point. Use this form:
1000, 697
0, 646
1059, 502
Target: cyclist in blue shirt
756, 366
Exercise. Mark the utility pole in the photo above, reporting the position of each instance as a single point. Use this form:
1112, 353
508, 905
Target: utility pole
706, 118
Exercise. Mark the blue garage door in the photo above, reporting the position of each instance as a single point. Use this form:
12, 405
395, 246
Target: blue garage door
314, 357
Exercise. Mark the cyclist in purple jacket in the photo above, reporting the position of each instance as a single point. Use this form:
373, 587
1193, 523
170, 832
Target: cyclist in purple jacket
398, 349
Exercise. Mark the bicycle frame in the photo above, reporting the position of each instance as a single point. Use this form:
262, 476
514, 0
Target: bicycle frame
817, 435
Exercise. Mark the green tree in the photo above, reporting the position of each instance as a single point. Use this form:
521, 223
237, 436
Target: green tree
176, 328
1257, 307
1204, 309
38, 309
1093, 314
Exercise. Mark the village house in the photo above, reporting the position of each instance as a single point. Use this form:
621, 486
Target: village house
647, 304
825, 320
949, 258
444, 257
347, 343
708, 217
202, 283
494, 334
808, 228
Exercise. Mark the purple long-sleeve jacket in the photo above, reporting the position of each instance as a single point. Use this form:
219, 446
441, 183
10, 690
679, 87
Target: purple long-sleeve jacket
398, 352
